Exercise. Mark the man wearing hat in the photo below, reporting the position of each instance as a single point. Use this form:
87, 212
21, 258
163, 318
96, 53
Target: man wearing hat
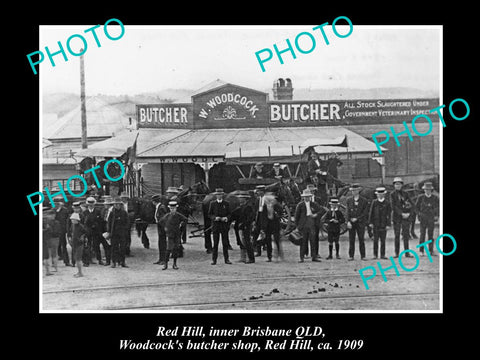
259, 205
318, 219
314, 165
277, 172
272, 214
105, 212
117, 227
93, 222
172, 224
332, 165
334, 218
258, 172
317, 167
379, 218
306, 213
317, 175
219, 213
356, 217
160, 211
427, 207
244, 217
402, 207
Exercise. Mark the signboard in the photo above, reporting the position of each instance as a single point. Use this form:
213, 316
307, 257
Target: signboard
164, 116
288, 112
201, 160
230, 106
351, 112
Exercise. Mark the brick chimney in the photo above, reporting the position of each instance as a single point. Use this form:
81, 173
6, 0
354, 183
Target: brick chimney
282, 89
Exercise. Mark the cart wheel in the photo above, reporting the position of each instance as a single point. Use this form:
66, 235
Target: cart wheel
286, 222
343, 227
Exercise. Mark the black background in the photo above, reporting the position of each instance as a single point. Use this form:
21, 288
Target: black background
97, 335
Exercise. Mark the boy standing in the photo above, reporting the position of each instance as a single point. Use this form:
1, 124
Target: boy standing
379, 217
334, 218
76, 238
51, 232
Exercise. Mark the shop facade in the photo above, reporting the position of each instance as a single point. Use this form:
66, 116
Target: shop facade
226, 128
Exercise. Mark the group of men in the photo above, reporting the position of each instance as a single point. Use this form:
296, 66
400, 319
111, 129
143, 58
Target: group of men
258, 222
360, 215
85, 231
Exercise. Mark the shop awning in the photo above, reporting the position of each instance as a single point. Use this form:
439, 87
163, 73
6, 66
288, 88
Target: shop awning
236, 146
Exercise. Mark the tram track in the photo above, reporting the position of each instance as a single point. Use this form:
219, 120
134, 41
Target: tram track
212, 281
220, 304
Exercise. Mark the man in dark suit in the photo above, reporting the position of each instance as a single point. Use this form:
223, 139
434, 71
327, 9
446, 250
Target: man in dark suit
318, 220
402, 207
305, 216
271, 215
117, 227
172, 223
379, 219
259, 205
317, 175
61, 215
244, 218
160, 211
314, 165
219, 212
93, 222
258, 172
356, 217
277, 172
427, 207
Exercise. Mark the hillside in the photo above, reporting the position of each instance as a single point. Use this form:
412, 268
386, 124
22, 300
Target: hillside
61, 103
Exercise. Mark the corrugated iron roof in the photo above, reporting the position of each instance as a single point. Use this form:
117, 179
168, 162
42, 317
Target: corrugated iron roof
103, 120
232, 143
117, 145
258, 142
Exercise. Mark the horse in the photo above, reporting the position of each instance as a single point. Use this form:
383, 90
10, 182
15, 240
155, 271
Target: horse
144, 209
234, 203
144, 214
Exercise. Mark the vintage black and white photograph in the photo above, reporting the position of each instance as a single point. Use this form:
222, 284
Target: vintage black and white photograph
240, 168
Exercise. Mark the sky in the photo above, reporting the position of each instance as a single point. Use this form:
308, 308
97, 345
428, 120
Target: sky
153, 58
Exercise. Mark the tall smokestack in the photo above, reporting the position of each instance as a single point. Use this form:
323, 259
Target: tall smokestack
82, 101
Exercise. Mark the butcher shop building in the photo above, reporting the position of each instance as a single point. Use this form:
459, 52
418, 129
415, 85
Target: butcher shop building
225, 129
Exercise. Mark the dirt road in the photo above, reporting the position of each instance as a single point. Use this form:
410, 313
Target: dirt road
279, 285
